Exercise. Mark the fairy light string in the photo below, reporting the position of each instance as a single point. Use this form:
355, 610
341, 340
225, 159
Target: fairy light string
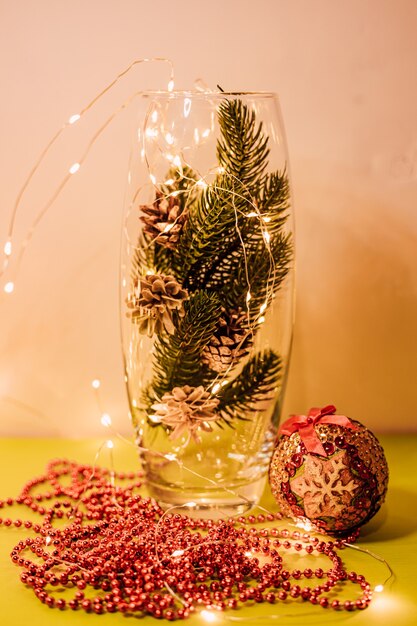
8, 248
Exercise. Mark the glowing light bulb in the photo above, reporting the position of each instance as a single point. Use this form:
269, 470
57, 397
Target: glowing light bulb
171, 85
267, 237
170, 456
263, 308
252, 214
96, 383
216, 388
74, 168
266, 219
208, 616
178, 553
154, 116
105, 420
379, 588
187, 107
205, 133
261, 320
155, 419
248, 554
169, 139
201, 183
110, 444
168, 228
74, 118
169, 181
191, 505
248, 297
48, 540
177, 161
153, 179
9, 287
304, 524
8, 248
221, 169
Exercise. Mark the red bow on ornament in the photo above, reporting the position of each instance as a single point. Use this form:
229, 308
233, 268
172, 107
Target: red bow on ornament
304, 425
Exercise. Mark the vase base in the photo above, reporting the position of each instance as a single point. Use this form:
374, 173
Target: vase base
209, 505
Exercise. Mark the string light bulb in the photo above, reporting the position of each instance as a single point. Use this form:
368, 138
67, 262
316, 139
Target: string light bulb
106, 420
379, 588
110, 444
96, 383
178, 553
74, 168
9, 287
74, 118
208, 616
8, 248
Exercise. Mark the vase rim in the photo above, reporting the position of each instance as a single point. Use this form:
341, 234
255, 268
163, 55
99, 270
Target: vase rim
207, 94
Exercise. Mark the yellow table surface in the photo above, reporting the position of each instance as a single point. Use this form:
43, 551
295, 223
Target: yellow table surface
392, 534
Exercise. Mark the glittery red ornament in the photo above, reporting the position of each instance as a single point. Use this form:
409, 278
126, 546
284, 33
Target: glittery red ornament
339, 490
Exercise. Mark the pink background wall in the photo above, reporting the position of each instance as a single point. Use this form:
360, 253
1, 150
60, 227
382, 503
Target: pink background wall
346, 76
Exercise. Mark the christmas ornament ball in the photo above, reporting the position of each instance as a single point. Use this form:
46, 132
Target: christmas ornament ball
337, 491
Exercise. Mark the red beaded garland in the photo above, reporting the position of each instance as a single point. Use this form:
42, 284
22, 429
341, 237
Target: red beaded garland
133, 558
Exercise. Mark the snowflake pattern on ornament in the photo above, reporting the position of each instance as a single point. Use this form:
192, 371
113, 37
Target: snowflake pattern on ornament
326, 485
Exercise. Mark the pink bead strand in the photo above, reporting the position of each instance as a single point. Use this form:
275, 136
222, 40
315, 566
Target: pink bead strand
129, 556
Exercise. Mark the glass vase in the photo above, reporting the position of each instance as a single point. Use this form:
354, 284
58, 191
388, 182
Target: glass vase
207, 294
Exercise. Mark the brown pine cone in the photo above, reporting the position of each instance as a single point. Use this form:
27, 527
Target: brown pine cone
155, 299
230, 342
186, 409
163, 220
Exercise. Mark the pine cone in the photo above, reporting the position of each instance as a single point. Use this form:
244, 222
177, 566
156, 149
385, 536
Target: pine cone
186, 409
163, 220
157, 297
230, 342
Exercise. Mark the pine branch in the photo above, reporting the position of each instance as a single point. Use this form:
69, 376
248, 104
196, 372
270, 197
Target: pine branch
261, 273
256, 383
211, 234
272, 197
178, 356
210, 231
243, 148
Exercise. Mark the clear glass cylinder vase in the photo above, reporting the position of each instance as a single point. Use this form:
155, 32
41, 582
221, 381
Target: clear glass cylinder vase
207, 294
